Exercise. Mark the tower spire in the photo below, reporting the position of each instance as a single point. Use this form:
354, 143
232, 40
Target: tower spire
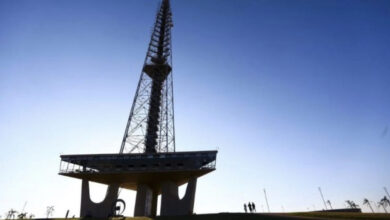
150, 127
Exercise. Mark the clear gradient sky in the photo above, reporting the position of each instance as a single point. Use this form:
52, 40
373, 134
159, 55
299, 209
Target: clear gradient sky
294, 94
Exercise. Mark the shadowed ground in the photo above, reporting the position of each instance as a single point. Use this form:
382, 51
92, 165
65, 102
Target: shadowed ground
258, 216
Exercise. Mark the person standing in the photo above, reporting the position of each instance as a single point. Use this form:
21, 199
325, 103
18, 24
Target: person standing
245, 208
253, 207
250, 207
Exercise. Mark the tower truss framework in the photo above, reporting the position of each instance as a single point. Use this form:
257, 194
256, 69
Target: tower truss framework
147, 161
150, 127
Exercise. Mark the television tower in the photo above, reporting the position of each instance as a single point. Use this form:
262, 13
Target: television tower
150, 127
147, 161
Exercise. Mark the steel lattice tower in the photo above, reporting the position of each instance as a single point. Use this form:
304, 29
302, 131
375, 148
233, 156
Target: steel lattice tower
150, 127
147, 162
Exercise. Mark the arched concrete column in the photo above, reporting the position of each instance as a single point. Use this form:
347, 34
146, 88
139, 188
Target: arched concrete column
145, 201
170, 202
97, 210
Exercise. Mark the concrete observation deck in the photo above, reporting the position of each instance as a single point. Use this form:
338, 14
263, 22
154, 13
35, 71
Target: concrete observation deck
130, 170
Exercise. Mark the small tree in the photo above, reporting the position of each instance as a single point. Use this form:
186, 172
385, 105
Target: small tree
11, 214
22, 215
351, 204
49, 211
384, 202
367, 202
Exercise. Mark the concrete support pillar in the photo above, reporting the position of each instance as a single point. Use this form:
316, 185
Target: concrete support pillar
154, 204
170, 202
145, 201
103, 209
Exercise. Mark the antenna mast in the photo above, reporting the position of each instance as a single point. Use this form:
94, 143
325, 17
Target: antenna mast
322, 196
266, 200
24, 206
386, 192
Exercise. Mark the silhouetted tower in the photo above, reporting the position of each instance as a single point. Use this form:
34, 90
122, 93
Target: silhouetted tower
147, 161
150, 127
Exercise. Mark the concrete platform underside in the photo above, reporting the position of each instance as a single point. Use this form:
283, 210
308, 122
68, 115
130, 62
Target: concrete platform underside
131, 180
150, 175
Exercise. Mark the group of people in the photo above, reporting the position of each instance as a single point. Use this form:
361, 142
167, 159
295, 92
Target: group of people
251, 206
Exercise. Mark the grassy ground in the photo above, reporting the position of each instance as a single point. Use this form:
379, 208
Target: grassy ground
230, 216
302, 215
342, 215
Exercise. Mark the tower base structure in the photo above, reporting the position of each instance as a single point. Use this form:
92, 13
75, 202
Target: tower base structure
104, 209
150, 175
145, 201
171, 204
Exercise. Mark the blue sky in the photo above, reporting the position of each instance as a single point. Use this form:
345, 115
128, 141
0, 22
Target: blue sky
294, 94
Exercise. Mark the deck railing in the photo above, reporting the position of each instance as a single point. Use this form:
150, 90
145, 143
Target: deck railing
115, 167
